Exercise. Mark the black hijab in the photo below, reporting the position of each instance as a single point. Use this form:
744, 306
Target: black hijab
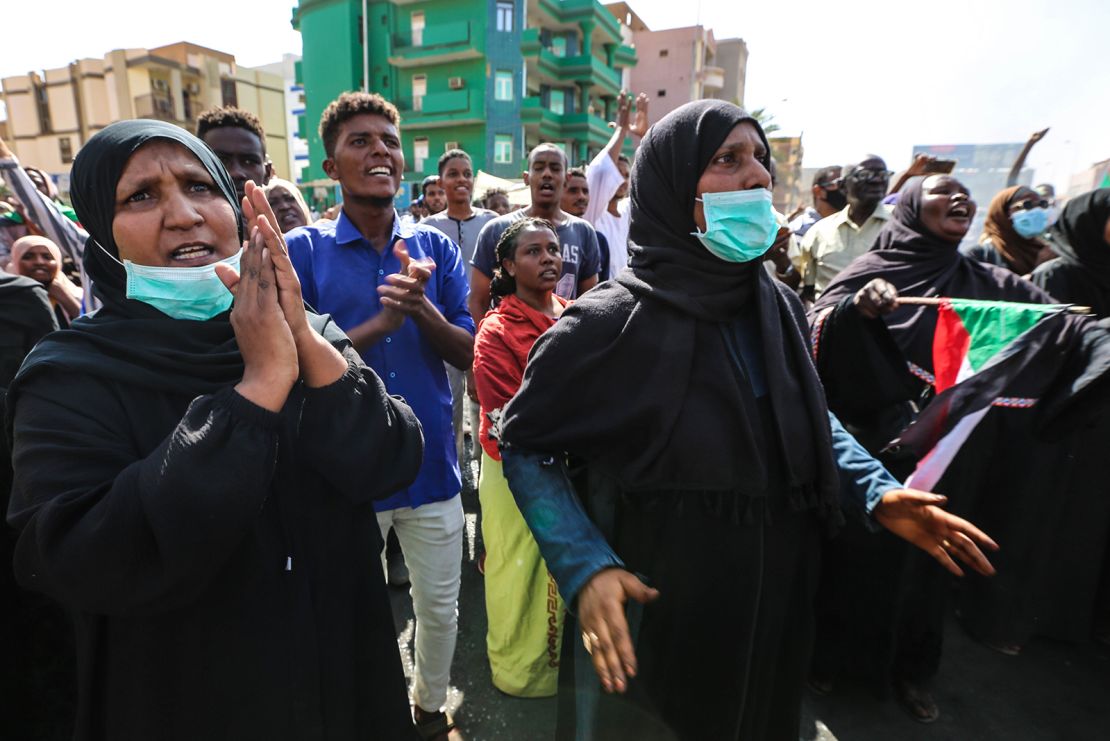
655, 348
126, 340
919, 263
1081, 234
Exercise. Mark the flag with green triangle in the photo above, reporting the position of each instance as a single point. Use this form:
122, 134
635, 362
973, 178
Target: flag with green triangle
969, 333
979, 349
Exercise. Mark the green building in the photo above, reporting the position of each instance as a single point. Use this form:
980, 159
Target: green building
493, 77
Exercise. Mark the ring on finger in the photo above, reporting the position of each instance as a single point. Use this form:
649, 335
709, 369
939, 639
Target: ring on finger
589, 640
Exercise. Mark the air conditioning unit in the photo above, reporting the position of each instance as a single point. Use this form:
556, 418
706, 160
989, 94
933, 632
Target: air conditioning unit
193, 88
161, 85
448, 146
456, 83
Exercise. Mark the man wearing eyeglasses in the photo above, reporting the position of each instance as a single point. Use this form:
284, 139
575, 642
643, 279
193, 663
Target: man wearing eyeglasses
836, 240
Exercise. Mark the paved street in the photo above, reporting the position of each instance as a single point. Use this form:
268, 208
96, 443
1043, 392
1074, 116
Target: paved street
1051, 692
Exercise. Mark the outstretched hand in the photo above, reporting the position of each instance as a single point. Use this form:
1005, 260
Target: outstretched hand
604, 626
917, 516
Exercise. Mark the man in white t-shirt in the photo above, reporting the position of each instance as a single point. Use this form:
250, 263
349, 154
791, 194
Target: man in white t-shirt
607, 175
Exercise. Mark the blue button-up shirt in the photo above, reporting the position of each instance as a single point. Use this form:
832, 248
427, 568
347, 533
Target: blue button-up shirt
340, 273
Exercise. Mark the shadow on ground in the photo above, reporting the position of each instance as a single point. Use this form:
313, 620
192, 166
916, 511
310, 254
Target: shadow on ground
1050, 692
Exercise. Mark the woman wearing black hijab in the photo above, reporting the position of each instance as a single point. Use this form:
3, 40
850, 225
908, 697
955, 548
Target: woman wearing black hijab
1081, 275
711, 474
886, 622
195, 484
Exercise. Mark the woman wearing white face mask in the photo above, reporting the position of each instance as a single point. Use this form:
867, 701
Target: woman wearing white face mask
1016, 219
712, 467
194, 484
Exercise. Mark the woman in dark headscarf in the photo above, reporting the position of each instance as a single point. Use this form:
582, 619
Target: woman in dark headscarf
1081, 275
714, 468
888, 622
195, 484
1016, 219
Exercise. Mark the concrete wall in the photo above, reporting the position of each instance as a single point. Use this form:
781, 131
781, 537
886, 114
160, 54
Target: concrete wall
673, 73
263, 94
732, 57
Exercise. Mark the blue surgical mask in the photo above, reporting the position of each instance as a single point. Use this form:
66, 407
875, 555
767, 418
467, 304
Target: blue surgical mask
1030, 223
740, 225
181, 293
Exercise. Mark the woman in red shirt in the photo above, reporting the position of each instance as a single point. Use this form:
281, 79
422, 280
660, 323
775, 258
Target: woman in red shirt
523, 606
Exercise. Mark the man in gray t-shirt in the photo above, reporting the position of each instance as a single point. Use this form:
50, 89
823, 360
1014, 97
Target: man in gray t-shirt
460, 221
462, 231
546, 177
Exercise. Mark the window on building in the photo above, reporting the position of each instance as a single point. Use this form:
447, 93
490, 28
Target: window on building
558, 102
661, 94
502, 85
65, 148
418, 28
664, 52
504, 15
559, 46
419, 152
419, 90
503, 149
227, 91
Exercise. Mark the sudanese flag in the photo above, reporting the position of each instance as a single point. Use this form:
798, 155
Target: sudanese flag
982, 350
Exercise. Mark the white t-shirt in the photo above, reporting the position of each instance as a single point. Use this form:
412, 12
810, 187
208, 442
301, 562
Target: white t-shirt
604, 180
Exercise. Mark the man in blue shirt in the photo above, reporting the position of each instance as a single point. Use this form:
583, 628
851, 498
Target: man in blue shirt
400, 292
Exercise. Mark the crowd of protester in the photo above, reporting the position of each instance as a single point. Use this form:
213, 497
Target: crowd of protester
225, 414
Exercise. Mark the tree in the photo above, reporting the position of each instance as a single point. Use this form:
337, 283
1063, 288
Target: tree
766, 120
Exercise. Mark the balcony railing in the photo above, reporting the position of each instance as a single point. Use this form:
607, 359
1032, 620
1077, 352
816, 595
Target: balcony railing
584, 68
155, 105
580, 124
436, 35
713, 77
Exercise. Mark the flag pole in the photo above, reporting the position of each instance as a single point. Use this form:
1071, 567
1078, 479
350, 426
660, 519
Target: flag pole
922, 301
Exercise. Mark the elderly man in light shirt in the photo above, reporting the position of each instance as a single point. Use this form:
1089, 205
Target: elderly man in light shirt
834, 241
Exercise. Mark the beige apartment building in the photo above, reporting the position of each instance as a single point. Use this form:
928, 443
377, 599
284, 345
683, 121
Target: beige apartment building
51, 115
677, 65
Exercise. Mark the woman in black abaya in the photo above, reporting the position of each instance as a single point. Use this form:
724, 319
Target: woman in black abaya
713, 470
195, 484
875, 360
1081, 275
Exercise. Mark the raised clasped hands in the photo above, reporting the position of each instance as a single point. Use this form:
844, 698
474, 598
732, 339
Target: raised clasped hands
403, 295
269, 318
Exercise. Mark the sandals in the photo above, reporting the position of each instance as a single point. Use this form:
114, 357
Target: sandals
434, 726
917, 701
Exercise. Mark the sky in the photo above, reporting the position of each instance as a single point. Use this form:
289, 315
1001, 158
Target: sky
854, 77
